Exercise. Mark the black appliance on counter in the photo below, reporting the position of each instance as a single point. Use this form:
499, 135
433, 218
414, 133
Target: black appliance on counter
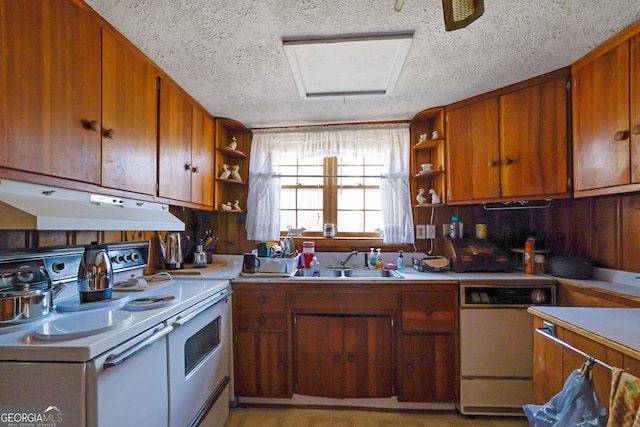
469, 255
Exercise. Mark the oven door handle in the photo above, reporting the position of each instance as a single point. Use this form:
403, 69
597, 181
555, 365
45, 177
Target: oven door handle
180, 321
117, 359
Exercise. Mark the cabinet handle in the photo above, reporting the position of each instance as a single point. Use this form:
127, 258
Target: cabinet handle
428, 311
187, 166
351, 358
262, 320
281, 365
262, 299
110, 133
636, 130
492, 163
337, 358
195, 169
621, 135
409, 367
507, 161
92, 125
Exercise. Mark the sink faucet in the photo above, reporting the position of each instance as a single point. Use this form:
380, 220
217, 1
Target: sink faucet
344, 263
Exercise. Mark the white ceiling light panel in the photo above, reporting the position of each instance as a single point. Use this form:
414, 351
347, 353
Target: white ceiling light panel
347, 67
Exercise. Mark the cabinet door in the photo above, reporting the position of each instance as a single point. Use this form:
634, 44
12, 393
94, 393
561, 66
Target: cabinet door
368, 357
129, 118
202, 158
175, 143
533, 140
428, 368
319, 355
473, 147
547, 365
343, 357
261, 364
49, 89
635, 109
600, 110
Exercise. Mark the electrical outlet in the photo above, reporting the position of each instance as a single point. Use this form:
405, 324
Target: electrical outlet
431, 231
420, 232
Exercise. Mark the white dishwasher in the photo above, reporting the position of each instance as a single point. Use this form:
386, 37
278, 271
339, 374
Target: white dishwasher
496, 344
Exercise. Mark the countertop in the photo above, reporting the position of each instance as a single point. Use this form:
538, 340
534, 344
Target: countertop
613, 327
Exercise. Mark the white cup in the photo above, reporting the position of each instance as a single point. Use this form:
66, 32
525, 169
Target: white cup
426, 167
329, 230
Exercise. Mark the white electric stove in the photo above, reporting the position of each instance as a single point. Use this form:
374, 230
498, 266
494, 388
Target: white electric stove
154, 357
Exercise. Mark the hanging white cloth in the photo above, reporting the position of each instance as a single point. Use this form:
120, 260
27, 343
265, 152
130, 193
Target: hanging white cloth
389, 143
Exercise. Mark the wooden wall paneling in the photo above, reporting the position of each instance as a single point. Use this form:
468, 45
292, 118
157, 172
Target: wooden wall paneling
558, 225
605, 225
579, 228
630, 235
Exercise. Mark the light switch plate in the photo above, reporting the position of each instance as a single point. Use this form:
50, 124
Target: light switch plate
420, 232
431, 231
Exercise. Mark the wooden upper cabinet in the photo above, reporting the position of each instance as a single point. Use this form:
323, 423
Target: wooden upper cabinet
175, 143
510, 146
50, 89
473, 152
129, 118
600, 111
534, 147
635, 109
202, 157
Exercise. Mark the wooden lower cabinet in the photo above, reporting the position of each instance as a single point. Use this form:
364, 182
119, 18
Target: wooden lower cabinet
261, 364
553, 363
428, 368
338, 341
343, 356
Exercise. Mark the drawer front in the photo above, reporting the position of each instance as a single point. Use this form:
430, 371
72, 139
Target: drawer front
256, 321
429, 311
260, 300
344, 302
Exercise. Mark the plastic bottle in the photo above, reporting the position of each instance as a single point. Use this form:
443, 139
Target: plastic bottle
372, 259
379, 261
308, 251
456, 227
400, 263
315, 267
529, 251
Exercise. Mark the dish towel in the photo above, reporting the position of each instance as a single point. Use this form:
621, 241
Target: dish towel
625, 400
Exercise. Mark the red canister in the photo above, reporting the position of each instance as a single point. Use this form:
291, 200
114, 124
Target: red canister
308, 252
529, 250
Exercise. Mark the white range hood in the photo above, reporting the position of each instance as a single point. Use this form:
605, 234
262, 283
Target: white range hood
25, 206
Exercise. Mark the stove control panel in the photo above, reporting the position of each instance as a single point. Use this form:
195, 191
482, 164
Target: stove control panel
128, 256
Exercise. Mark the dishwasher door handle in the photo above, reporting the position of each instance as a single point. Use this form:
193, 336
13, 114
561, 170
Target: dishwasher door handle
117, 359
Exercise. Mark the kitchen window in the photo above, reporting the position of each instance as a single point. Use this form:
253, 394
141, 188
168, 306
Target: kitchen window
339, 158
341, 190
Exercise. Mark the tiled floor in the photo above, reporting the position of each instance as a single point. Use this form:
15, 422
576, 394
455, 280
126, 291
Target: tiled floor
296, 417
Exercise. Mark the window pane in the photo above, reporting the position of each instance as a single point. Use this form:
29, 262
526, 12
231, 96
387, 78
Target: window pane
372, 199
288, 198
288, 171
311, 220
288, 218
310, 198
373, 220
350, 221
350, 199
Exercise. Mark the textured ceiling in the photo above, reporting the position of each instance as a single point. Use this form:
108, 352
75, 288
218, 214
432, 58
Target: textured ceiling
228, 54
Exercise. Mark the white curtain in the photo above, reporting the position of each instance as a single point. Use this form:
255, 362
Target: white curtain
387, 142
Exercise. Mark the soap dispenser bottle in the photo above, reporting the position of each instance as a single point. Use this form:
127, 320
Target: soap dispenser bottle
400, 263
379, 261
372, 259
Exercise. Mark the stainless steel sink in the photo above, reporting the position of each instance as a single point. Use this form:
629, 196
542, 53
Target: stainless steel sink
372, 273
323, 273
350, 274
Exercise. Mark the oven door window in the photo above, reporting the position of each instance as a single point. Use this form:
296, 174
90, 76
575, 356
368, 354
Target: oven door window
202, 343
